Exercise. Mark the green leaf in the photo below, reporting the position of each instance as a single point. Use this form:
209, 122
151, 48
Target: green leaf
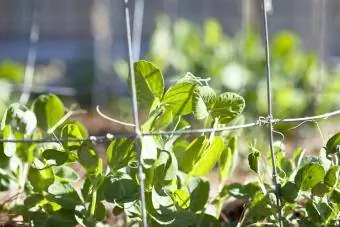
166, 168
72, 131
63, 194
49, 110
332, 145
289, 192
209, 158
182, 198
209, 220
180, 97
120, 153
148, 151
65, 174
89, 159
308, 176
297, 156
212, 32
195, 148
227, 107
226, 160
237, 190
204, 101
120, 189
149, 82
332, 176
55, 157
41, 179
20, 118
261, 207
8, 148
320, 190
335, 196
199, 193
254, 160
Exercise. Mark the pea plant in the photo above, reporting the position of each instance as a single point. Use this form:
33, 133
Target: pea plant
173, 164
309, 188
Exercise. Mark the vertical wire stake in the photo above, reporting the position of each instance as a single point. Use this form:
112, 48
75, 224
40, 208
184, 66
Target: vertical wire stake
135, 112
270, 115
32, 54
138, 16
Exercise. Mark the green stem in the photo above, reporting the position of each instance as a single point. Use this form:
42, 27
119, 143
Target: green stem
23, 176
93, 203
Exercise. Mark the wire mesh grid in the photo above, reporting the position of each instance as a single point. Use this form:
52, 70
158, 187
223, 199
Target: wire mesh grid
134, 41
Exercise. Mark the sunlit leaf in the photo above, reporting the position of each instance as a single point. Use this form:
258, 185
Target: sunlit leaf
49, 110
180, 97
149, 82
227, 107
209, 158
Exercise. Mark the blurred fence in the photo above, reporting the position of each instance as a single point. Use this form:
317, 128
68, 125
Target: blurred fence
68, 32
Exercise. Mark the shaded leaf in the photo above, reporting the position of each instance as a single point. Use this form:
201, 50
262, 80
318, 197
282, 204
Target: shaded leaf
308, 176
289, 192
332, 145
332, 176
226, 160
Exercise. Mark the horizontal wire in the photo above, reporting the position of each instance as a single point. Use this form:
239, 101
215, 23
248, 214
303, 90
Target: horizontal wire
262, 121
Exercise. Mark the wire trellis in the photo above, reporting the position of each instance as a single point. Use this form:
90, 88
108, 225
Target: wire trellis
137, 135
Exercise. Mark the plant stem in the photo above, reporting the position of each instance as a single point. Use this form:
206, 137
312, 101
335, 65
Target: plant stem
93, 203
23, 176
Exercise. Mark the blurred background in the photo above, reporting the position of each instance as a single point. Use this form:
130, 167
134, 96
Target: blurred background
77, 49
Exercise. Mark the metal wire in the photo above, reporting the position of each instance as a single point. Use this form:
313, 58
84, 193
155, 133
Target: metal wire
270, 114
262, 121
138, 16
32, 53
135, 113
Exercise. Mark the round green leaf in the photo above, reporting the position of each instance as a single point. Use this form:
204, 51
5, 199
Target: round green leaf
41, 179
308, 176
180, 97
149, 81
289, 192
71, 131
227, 107
332, 145
120, 189
204, 101
89, 159
49, 110
332, 176
320, 190
55, 157
65, 174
